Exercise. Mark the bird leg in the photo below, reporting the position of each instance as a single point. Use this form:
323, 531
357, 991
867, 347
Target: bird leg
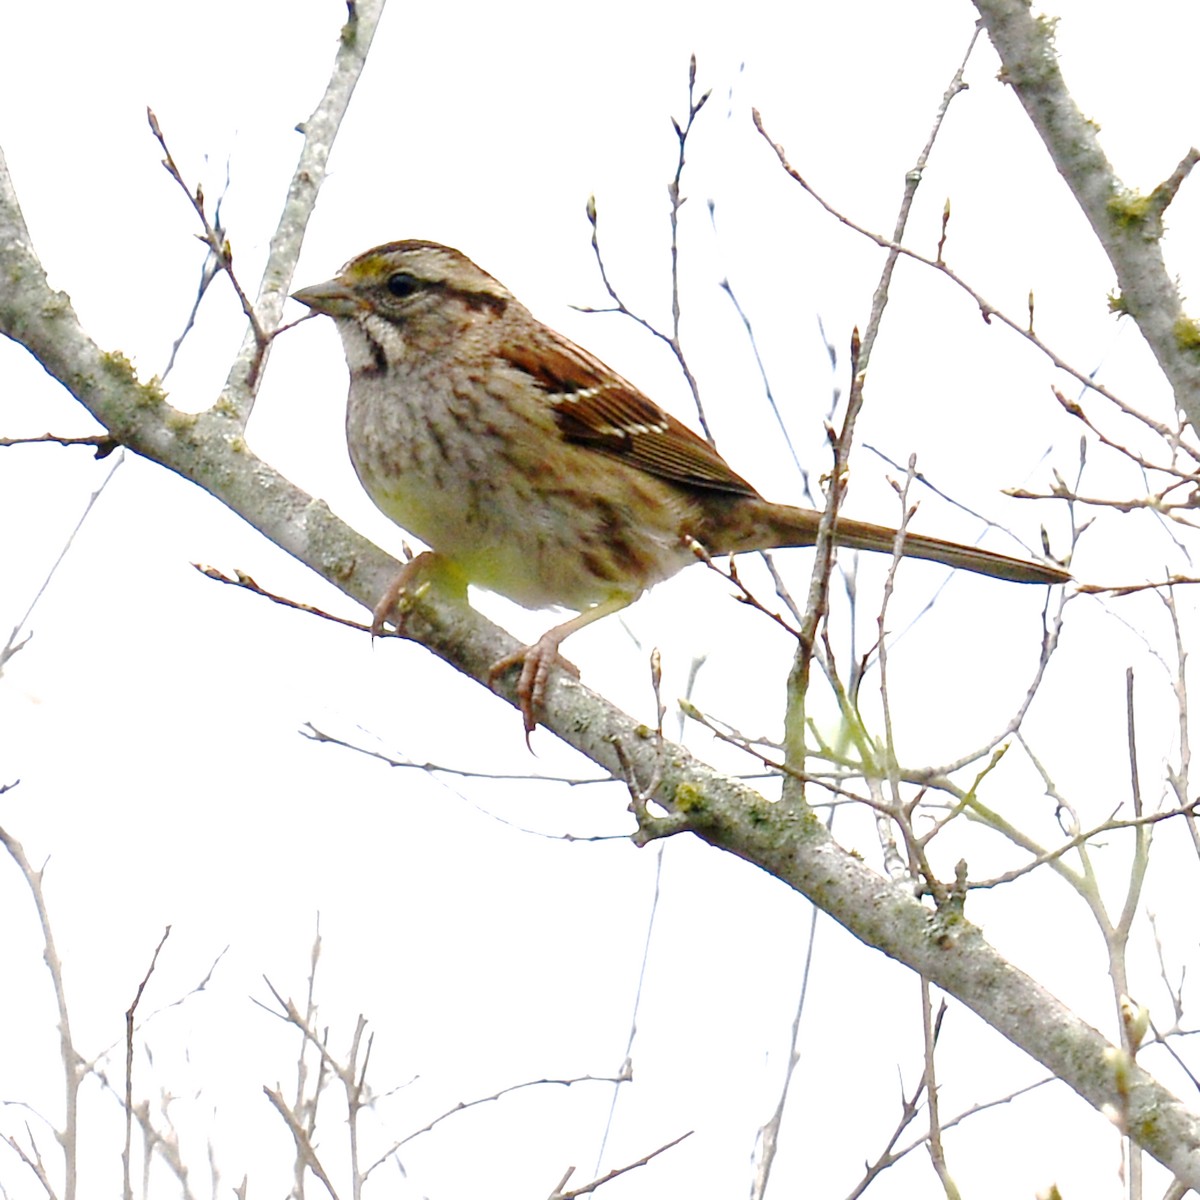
540, 658
536, 661
426, 567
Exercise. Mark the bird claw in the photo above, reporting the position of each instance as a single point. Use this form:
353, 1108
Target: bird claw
536, 662
390, 609
418, 572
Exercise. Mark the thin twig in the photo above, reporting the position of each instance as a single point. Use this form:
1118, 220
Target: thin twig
72, 1061
677, 198
616, 1171
214, 237
626, 1072
986, 309
130, 1013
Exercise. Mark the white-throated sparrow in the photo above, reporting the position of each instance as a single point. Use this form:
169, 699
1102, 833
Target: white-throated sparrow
533, 468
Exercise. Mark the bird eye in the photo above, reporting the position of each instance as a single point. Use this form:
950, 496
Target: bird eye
402, 284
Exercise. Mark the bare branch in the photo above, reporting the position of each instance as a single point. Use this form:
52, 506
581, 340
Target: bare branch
675, 192
72, 1061
129, 1026
614, 1173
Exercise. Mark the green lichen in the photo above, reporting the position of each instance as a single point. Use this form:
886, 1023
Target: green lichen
760, 815
689, 799
56, 305
1129, 208
1187, 333
349, 34
1117, 305
1148, 1130
333, 558
120, 370
152, 394
950, 916
1047, 27
181, 422
118, 366
339, 566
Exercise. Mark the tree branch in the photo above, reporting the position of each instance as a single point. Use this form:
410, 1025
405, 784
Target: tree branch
1129, 226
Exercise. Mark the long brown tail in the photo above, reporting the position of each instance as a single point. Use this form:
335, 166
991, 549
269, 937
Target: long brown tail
769, 526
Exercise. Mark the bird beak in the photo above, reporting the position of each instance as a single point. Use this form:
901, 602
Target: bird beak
333, 298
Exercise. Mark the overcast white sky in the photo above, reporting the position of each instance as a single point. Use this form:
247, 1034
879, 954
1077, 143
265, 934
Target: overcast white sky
154, 717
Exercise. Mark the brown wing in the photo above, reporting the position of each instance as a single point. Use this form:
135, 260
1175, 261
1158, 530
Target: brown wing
595, 407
